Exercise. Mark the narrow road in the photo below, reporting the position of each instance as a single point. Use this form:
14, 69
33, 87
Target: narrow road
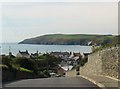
53, 82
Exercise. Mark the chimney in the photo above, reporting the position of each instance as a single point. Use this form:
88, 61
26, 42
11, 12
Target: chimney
26, 51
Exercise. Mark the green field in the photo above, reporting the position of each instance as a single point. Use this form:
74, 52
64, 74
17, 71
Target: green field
70, 39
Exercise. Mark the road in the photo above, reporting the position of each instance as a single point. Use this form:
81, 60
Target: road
53, 82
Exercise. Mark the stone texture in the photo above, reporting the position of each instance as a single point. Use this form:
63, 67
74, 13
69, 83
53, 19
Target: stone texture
104, 62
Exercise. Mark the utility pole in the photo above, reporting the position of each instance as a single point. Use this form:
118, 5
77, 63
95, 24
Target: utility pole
68, 64
10, 52
78, 67
77, 70
47, 63
9, 49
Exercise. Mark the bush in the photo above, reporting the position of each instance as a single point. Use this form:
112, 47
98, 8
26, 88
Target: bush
25, 70
26, 63
83, 61
6, 61
4, 67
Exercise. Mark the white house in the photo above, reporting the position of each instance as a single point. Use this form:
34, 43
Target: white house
24, 54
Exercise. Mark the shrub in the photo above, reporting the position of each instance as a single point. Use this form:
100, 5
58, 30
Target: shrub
25, 70
26, 63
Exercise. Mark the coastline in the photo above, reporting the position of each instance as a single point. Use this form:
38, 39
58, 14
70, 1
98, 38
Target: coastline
32, 48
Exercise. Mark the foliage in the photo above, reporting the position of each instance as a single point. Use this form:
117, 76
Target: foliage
25, 70
83, 61
40, 67
3, 66
41, 57
26, 63
115, 42
7, 61
52, 60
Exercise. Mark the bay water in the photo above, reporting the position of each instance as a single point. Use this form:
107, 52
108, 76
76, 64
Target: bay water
32, 48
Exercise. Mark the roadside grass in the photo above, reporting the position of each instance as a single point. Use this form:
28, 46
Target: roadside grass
21, 69
3, 66
25, 70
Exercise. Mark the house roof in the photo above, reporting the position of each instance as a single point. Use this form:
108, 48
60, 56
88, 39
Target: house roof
60, 53
34, 54
86, 53
77, 54
67, 67
76, 58
90, 43
63, 63
71, 56
24, 53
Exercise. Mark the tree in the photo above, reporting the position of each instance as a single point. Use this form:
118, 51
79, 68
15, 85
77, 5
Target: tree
6, 61
27, 63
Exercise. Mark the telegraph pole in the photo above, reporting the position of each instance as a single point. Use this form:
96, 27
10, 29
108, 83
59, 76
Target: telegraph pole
10, 52
9, 49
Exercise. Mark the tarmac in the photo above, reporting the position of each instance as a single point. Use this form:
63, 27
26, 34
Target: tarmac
104, 82
57, 82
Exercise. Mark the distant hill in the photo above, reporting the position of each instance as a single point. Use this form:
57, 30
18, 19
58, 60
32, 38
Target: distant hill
69, 39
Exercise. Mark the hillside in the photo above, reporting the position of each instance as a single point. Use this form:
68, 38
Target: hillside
69, 39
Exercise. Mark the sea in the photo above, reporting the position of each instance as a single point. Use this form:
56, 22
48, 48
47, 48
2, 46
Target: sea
33, 48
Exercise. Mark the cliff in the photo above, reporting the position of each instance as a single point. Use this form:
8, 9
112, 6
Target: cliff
69, 39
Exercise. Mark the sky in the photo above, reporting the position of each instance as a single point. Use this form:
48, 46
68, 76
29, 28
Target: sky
21, 20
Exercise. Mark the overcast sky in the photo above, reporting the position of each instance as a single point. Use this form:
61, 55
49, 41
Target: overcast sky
26, 20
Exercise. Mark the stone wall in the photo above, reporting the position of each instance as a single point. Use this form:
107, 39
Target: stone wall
104, 62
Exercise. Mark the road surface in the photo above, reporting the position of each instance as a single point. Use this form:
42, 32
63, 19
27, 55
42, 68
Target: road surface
53, 82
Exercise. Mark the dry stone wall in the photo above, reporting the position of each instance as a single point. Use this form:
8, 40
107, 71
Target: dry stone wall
105, 62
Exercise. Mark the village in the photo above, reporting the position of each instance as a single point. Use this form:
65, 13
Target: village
68, 61
42, 65
60, 44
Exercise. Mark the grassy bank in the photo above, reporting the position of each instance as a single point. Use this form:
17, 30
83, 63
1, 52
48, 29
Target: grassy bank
20, 68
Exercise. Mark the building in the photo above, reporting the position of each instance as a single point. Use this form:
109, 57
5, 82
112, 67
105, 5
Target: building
11, 55
61, 71
63, 55
34, 55
75, 58
85, 55
77, 54
92, 43
23, 54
